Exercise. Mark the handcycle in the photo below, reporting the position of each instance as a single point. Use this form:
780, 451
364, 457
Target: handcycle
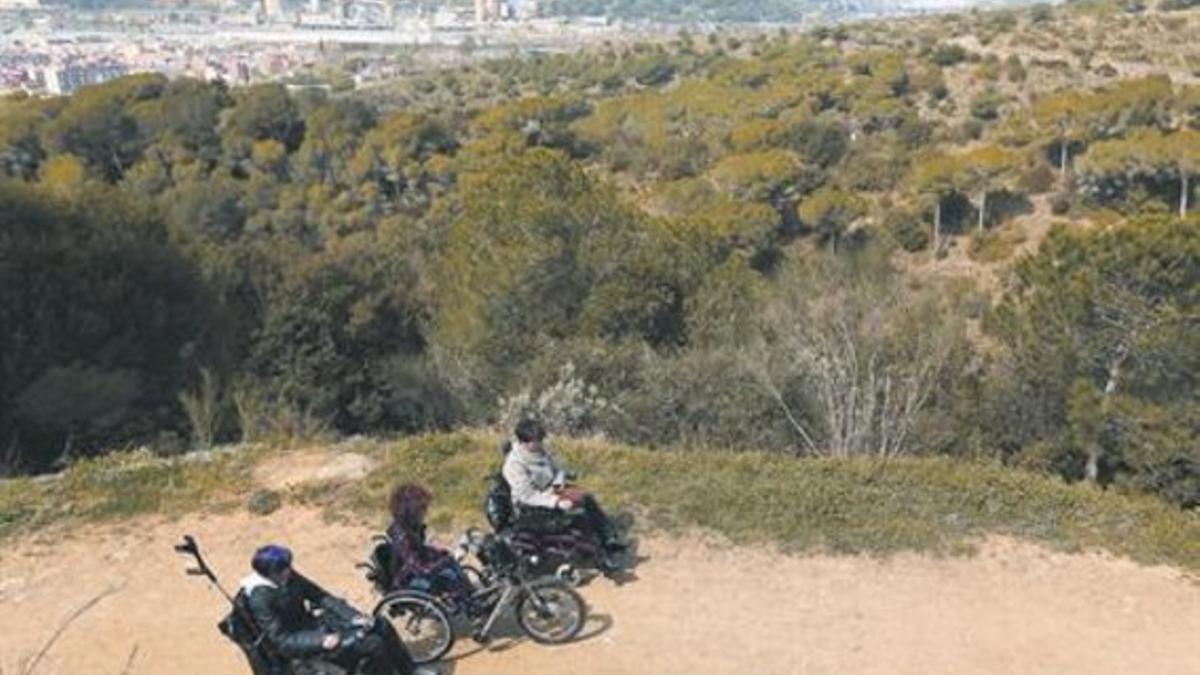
546, 609
239, 626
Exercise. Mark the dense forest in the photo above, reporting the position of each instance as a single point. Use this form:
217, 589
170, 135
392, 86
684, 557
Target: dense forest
691, 10
964, 235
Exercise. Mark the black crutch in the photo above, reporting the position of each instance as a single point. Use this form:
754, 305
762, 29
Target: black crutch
190, 547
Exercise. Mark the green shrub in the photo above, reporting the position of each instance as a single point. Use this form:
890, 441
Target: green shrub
846, 506
1037, 180
858, 506
264, 502
970, 130
1014, 69
947, 55
994, 246
986, 105
699, 398
98, 312
908, 229
123, 485
1177, 480
988, 70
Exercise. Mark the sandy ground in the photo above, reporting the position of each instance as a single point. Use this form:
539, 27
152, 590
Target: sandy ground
695, 608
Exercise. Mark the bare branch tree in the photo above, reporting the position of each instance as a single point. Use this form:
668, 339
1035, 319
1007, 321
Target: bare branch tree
128, 669
758, 364
851, 362
28, 669
1132, 321
203, 408
10, 462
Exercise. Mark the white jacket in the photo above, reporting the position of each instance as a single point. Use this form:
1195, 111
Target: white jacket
532, 475
255, 580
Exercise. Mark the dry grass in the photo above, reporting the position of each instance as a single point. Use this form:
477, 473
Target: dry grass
851, 506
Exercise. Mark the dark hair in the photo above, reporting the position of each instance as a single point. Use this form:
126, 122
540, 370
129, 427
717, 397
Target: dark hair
271, 560
408, 505
529, 430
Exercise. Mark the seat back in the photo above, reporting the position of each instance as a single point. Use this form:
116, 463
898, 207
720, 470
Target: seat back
498, 504
384, 566
239, 627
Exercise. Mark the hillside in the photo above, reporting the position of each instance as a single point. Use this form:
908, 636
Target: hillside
961, 238
834, 506
771, 11
886, 332
699, 600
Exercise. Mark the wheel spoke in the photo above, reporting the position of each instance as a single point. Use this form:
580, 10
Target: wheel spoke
423, 627
552, 614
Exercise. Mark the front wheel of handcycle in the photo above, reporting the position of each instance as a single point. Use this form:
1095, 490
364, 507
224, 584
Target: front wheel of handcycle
421, 623
551, 613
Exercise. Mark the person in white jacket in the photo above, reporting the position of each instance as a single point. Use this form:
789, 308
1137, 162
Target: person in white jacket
539, 481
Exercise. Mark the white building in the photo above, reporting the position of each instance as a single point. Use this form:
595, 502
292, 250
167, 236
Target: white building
487, 10
67, 79
272, 9
524, 10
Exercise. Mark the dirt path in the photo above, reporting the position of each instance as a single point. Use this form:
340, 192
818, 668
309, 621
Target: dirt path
696, 608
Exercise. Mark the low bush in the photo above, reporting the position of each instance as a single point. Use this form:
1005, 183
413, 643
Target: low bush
802, 505
995, 246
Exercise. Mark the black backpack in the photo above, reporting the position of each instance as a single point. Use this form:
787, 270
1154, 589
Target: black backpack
498, 503
239, 627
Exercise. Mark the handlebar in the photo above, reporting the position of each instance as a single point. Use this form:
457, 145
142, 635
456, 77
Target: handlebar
188, 546
200, 567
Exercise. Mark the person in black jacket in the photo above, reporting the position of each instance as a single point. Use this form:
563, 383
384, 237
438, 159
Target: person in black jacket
283, 604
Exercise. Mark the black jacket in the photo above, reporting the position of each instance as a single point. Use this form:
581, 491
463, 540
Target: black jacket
287, 614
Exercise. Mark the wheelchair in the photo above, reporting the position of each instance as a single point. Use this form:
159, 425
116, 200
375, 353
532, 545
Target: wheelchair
546, 610
240, 628
551, 541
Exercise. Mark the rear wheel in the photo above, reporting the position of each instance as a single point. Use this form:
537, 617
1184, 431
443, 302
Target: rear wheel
421, 623
551, 613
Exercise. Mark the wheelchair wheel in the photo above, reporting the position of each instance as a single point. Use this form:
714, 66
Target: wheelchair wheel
421, 623
551, 613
